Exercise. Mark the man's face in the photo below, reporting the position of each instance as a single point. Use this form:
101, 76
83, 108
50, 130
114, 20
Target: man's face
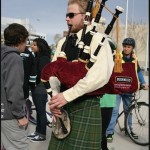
127, 49
77, 20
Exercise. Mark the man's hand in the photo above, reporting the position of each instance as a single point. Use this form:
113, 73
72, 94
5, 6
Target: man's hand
23, 122
56, 103
145, 86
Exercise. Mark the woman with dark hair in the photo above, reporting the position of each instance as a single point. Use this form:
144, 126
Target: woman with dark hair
42, 57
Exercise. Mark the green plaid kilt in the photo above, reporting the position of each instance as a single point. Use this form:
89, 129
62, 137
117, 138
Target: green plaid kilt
85, 117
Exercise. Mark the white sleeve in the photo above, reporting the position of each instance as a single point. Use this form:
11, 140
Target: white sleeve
54, 82
98, 75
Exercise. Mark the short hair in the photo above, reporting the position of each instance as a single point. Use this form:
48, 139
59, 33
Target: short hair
81, 3
129, 41
15, 34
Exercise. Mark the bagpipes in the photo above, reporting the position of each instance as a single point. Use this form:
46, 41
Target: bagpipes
61, 128
122, 80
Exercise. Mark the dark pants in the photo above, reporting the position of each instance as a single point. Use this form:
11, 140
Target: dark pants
40, 105
106, 117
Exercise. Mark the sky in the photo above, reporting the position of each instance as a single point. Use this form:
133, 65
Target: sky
48, 16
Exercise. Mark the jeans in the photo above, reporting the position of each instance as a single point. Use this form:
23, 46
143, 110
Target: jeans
126, 99
141, 78
40, 104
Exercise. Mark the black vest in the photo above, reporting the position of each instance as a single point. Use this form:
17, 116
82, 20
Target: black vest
71, 50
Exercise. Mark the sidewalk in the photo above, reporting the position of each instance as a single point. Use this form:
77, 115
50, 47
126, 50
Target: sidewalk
120, 142
123, 142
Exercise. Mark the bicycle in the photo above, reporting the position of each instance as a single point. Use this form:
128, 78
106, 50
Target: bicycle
140, 122
30, 112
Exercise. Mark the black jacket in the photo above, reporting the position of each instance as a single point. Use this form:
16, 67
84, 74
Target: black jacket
29, 71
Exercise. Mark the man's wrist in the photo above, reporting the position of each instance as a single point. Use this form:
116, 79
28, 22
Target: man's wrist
70, 95
20, 118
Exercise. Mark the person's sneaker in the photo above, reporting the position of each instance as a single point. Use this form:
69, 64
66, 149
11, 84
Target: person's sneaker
32, 135
112, 148
134, 135
38, 138
110, 137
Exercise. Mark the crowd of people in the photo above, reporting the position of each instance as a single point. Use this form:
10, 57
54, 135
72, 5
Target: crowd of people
92, 117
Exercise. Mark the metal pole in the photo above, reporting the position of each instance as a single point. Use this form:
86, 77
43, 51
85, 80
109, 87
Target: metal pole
146, 60
132, 14
126, 19
147, 48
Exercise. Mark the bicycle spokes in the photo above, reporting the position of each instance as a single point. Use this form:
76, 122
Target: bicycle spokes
138, 114
140, 123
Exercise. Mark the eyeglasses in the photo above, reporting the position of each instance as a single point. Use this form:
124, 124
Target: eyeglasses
71, 15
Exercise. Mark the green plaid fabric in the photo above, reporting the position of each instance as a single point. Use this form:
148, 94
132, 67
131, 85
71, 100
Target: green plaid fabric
85, 117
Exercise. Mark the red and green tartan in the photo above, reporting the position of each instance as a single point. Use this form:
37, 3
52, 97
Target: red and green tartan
85, 117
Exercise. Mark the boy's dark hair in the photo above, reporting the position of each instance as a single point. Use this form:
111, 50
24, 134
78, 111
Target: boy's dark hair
15, 34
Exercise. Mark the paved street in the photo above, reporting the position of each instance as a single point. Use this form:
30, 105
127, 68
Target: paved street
120, 142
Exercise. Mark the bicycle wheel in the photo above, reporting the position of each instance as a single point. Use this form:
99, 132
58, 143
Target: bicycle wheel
31, 117
140, 123
27, 112
32, 120
49, 119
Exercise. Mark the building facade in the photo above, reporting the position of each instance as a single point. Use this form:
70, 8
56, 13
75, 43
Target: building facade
25, 22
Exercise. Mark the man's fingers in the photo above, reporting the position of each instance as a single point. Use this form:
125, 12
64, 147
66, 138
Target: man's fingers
53, 102
59, 106
53, 98
52, 106
56, 112
58, 115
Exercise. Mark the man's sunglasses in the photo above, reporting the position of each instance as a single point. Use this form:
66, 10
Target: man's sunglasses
71, 15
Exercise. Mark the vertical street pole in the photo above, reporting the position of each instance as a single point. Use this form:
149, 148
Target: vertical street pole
147, 47
147, 51
126, 19
133, 14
